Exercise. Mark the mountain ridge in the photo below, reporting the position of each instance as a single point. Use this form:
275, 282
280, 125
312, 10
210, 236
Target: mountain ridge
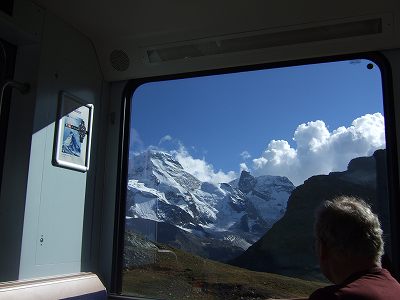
286, 248
161, 190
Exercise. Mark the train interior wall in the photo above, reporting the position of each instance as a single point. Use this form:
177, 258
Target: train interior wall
43, 206
55, 220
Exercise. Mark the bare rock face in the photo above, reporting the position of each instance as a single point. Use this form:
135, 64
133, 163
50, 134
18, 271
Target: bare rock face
138, 251
246, 182
231, 213
287, 248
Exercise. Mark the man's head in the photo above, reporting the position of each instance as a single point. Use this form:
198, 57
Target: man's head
349, 233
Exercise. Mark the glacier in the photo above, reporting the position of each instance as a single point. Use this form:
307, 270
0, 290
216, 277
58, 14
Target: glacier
238, 212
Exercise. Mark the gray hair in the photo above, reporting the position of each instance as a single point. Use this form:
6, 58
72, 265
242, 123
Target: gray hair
348, 226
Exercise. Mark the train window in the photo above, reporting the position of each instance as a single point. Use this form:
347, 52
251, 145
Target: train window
225, 172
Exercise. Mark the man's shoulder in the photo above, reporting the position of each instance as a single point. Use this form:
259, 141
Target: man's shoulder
375, 284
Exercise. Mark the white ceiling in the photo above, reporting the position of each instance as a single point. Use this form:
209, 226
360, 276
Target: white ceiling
105, 19
131, 25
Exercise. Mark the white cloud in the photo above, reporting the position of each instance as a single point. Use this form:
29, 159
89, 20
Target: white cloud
311, 136
136, 143
165, 138
319, 151
277, 153
245, 155
201, 169
244, 167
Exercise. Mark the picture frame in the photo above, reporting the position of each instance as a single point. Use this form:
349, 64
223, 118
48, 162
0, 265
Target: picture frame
73, 133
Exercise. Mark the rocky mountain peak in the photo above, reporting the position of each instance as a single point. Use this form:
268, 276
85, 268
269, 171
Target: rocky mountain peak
362, 163
246, 182
286, 248
161, 190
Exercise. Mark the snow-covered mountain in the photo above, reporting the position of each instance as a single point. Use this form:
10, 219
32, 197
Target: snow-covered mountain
71, 145
239, 212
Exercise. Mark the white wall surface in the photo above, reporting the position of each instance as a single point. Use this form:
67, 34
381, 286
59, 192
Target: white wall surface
55, 196
25, 33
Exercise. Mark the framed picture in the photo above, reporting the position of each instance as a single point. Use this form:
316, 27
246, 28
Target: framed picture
73, 133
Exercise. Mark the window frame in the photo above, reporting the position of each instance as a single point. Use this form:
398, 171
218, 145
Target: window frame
391, 149
10, 53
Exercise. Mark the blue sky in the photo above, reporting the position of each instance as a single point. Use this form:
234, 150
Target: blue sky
217, 118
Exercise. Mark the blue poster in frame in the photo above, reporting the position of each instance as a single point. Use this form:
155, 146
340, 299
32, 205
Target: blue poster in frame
73, 133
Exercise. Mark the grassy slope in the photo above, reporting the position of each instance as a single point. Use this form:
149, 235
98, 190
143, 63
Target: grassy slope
193, 277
